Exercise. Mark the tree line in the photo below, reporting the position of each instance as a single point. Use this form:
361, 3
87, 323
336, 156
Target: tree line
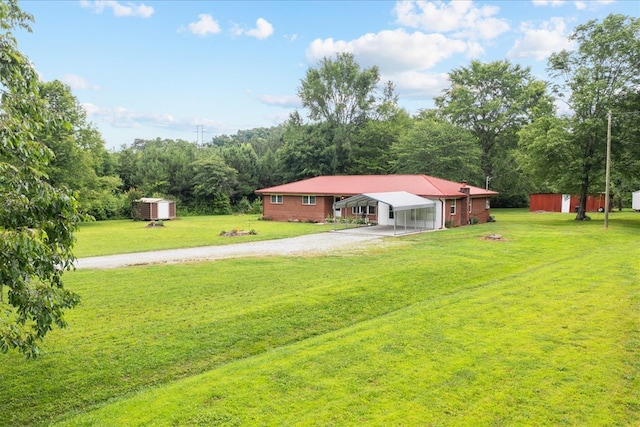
496, 125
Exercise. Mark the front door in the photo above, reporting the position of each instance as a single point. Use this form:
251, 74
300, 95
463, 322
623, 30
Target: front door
337, 212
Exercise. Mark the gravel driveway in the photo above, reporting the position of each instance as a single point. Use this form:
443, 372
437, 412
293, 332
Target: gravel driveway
321, 243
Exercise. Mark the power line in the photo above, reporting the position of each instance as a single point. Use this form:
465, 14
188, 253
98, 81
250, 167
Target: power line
199, 134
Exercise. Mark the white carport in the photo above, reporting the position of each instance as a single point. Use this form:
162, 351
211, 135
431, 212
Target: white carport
401, 209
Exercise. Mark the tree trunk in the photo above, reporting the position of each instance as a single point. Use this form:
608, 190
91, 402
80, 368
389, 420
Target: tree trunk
486, 162
587, 165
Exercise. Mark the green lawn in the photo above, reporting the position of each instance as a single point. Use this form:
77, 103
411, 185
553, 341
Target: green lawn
444, 328
127, 236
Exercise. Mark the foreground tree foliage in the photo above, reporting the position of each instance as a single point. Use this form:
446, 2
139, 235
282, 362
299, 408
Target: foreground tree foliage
37, 220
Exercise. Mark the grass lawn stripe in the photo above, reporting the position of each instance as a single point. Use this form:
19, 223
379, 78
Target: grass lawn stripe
491, 355
144, 328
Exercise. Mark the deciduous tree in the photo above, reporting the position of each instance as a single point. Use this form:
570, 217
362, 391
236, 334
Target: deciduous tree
80, 159
214, 180
338, 91
493, 101
340, 95
436, 147
603, 69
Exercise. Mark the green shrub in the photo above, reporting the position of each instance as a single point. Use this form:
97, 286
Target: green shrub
222, 205
256, 206
243, 206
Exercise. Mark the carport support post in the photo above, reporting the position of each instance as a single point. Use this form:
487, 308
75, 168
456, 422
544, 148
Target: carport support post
405, 222
395, 222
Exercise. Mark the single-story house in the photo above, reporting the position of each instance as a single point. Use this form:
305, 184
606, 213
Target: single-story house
383, 199
154, 209
553, 202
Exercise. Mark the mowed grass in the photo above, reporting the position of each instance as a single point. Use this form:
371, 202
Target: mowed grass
442, 328
128, 236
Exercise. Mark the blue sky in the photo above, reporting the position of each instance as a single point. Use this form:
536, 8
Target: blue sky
168, 68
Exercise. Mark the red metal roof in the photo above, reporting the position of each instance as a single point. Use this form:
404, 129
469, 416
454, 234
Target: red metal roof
350, 185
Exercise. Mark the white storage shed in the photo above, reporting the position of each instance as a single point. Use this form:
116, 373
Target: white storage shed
635, 201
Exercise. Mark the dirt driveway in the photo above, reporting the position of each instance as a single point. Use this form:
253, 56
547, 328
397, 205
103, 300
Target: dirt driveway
321, 243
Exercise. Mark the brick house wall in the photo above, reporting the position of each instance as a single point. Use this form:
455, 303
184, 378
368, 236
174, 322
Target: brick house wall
292, 208
462, 215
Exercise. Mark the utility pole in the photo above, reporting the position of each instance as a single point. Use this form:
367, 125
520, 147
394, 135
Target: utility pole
607, 173
486, 182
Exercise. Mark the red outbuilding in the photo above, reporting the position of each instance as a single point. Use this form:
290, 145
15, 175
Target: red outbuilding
553, 202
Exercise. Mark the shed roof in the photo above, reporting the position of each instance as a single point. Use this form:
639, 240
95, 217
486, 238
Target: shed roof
349, 185
399, 200
152, 200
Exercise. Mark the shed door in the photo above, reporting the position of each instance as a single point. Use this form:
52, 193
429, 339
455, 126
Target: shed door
566, 203
163, 210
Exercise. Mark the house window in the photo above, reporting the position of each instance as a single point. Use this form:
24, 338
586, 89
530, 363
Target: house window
276, 199
390, 212
453, 207
308, 200
470, 205
487, 203
359, 210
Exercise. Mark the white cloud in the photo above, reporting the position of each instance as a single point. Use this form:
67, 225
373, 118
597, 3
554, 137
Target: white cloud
120, 117
277, 118
78, 83
591, 4
287, 101
539, 43
474, 50
205, 25
552, 3
414, 84
402, 58
91, 109
262, 30
462, 18
580, 5
392, 51
118, 8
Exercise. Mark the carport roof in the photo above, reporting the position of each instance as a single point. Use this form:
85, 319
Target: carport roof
399, 200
